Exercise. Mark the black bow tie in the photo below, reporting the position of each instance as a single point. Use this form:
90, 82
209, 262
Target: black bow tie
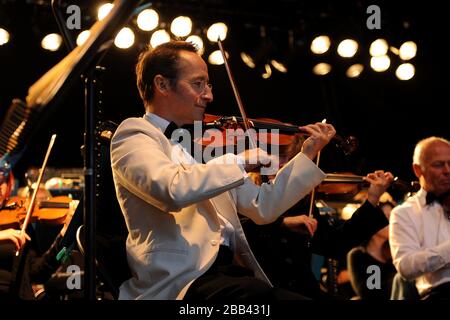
170, 129
432, 197
173, 127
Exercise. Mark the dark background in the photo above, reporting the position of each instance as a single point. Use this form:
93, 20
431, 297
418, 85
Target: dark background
388, 116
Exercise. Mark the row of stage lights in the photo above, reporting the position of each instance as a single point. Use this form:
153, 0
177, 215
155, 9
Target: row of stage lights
379, 60
147, 20
181, 28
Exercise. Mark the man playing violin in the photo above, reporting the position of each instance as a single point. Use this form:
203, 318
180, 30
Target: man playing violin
185, 240
420, 227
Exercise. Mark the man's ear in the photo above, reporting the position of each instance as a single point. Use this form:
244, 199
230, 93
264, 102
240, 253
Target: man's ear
417, 170
161, 84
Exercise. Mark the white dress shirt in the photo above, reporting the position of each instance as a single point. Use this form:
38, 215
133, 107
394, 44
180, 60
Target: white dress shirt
420, 242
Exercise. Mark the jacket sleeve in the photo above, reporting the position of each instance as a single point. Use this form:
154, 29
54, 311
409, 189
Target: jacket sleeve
141, 165
264, 204
336, 241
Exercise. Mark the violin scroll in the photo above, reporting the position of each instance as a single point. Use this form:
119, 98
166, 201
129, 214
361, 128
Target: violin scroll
347, 145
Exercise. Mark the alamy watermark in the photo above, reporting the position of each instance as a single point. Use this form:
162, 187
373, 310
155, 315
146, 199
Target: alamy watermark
374, 20
74, 279
74, 19
213, 144
374, 280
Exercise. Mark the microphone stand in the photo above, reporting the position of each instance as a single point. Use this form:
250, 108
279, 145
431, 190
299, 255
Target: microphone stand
89, 213
91, 101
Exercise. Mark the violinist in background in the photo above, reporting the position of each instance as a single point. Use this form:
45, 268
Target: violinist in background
185, 240
19, 274
11, 239
284, 248
420, 227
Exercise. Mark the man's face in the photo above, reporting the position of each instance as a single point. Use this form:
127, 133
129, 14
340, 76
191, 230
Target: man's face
190, 92
434, 173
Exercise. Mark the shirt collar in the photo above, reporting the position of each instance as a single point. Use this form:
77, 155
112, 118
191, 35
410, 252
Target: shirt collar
421, 197
157, 121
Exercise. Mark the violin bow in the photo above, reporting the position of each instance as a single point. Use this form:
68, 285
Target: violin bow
38, 183
313, 192
237, 96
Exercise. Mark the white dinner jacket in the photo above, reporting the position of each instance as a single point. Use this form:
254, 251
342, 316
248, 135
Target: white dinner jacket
171, 209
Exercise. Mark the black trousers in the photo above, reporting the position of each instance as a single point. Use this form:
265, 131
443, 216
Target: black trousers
441, 292
225, 281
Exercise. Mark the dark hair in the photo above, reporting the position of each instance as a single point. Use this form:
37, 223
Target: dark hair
161, 60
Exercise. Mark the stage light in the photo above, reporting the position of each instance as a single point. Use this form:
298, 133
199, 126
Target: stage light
408, 50
322, 69
320, 44
355, 70
198, 42
405, 71
394, 50
159, 37
216, 57
216, 31
347, 48
378, 48
256, 49
82, 37
249, 62
124, 39
104, 10
51, 42
4, 36
147, 20
278, 66
263, 53
181, 26
380, 64
348, 210
267, 71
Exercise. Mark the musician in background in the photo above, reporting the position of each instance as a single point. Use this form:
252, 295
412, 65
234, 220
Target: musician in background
19, 273
11, 239
284, 248
420, 227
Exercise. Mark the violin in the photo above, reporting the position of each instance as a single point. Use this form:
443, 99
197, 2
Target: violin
347, 185
52, 211
283, 136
